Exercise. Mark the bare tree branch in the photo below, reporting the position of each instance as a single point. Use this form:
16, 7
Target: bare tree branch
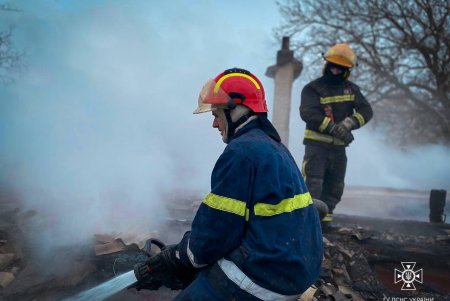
10, 58
403, 47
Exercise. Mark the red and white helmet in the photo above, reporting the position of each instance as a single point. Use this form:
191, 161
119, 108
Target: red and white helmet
230, 88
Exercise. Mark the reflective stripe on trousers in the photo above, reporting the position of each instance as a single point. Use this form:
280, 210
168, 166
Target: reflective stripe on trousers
240, 279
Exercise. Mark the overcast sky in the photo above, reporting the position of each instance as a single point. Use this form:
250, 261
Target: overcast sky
99, 126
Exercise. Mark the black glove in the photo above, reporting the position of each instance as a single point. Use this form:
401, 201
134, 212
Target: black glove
340, 131
349, 123
164, 268
321, 207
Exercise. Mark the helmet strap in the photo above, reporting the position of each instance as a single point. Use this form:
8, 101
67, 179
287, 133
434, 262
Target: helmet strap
232, 126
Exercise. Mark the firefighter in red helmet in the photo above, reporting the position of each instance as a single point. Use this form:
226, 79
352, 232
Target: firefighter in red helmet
246, 99
256, 235
332, 107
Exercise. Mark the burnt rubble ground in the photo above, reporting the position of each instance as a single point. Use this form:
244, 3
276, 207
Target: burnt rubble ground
360, 259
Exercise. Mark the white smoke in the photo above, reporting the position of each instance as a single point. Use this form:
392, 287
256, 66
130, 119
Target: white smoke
99, 129
98, 132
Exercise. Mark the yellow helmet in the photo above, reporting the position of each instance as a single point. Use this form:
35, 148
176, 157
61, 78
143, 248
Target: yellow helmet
341, 54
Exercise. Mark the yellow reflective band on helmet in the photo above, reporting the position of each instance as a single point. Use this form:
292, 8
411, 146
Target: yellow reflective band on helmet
287, 205
338, 98
219, 82
316, 136
225, 204
360, 118
328, 218
326, 121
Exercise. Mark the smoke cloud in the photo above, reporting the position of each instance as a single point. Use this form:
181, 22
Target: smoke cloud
98, 132
98, 129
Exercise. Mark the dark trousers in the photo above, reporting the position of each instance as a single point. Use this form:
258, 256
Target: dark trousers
324, 171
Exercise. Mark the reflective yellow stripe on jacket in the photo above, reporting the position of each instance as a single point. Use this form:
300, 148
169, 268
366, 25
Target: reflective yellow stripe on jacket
326, 121
360, 118
285, 206
337, 98
316, 136
261, 209
226, 204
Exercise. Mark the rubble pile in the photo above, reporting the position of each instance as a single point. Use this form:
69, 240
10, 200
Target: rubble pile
31, 276
361, 256
11, 250
360, 261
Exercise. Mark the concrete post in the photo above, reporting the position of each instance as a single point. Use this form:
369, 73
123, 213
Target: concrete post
284, 72
437, 204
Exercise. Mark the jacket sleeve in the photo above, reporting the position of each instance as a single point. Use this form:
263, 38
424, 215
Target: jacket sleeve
219, 224
363, 109
311, 110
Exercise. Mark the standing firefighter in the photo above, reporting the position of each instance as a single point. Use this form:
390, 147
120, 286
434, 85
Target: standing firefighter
256, 235
331, 106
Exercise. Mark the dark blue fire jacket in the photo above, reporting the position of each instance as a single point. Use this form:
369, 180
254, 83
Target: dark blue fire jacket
322, 103
259, 216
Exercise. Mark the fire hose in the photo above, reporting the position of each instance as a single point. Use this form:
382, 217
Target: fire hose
162, 269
